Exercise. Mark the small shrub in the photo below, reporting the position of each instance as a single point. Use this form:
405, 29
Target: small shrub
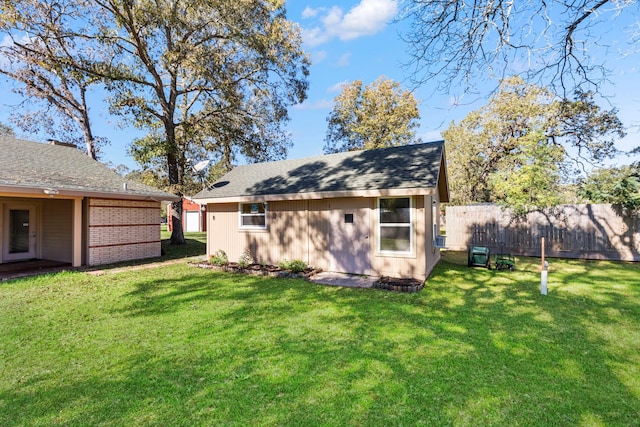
246, 259
295, 266
219, 258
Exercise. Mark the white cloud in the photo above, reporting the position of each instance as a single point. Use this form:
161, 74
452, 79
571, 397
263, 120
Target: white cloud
344, 60
318, 56
366, 18
309, 12
337, 87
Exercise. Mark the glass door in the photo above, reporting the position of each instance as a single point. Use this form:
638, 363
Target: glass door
20, 233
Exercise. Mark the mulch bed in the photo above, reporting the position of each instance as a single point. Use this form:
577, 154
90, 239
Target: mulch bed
398, 285
258, 270
384, 282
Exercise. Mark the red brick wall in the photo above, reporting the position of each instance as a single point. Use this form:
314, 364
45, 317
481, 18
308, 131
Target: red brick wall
122, 230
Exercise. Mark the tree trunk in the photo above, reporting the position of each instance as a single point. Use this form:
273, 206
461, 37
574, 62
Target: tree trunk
177, 235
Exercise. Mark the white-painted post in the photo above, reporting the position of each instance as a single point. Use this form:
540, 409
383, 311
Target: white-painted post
543, 273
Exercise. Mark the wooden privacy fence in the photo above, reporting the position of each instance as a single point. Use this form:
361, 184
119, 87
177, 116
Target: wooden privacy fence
570, 231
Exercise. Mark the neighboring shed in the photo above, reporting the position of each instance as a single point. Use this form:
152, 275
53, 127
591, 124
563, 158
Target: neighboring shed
193, 215
372, 212
58, 204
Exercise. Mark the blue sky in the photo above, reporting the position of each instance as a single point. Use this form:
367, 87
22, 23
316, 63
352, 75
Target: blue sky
358, 40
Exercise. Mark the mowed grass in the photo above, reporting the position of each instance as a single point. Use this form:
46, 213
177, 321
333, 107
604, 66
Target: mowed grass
178, 345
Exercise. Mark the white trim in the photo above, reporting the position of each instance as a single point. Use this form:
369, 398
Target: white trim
252, 227
409, 225
390, 193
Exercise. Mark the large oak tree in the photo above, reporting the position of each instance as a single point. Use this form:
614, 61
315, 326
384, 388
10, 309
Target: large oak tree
378, 115
515, 149
204, 78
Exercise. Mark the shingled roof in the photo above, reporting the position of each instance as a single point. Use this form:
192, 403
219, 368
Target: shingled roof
410, 168
32, 167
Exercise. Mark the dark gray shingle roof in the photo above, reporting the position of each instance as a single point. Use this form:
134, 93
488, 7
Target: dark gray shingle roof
410, 166
28, 165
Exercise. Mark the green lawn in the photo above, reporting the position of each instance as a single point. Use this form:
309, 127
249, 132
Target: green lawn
178, 345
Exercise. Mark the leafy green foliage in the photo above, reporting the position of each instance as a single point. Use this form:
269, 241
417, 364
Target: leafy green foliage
219, 258
515, 150
246, 259
376, 116
617, 185
294, 266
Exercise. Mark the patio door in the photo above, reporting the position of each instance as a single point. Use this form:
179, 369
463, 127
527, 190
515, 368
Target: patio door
19, 232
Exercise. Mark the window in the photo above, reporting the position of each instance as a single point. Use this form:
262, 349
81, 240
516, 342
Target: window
395, 225
253, 215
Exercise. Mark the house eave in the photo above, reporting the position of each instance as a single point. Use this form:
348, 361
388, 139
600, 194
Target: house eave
65, 193
319, 195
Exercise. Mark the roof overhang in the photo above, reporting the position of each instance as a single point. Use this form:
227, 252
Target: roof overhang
395, 192
66, 193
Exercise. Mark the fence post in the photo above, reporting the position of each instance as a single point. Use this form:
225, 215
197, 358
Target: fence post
543, 272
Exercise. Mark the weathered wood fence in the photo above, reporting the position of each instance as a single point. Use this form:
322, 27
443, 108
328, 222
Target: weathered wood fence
570, 231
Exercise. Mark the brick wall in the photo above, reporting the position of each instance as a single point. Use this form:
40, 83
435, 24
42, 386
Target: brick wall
122, 230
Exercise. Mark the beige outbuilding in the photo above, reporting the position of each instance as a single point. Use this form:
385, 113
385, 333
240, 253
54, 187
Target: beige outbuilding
373, 212
58, 204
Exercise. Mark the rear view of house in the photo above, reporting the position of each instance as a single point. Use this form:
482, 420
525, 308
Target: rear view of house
373, 212
58, 204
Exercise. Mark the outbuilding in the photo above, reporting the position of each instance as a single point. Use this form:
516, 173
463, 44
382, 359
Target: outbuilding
58, 204
373, 212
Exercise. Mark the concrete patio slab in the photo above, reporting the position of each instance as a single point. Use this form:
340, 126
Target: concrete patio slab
343, 279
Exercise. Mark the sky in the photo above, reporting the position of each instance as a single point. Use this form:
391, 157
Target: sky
359, 40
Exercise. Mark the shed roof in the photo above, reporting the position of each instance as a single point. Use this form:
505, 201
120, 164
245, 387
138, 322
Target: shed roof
416, 167
32, 167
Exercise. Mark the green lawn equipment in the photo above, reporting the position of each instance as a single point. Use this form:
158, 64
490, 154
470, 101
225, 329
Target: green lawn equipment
478, 256
504, 261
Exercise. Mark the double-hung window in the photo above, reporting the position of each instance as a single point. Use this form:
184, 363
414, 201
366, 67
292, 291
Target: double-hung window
395, 225
253, 215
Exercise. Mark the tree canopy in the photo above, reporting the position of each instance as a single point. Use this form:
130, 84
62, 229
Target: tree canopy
206, 79
37, 59
514, 150
615, 185
378, 115
560, 43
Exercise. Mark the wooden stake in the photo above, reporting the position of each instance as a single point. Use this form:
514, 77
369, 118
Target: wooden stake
542, 248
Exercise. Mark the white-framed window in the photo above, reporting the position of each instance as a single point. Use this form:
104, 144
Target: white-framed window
395, 225
253, 215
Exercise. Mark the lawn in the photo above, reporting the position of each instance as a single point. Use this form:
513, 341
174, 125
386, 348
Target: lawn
177, 345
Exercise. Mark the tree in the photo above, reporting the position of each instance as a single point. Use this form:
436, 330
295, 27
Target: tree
378, 115
556, 41
200, 74
615, 185
515, 149
6, 130
38, 60
203, 77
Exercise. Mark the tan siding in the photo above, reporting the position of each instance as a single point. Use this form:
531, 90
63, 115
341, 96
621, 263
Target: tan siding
121, 230
57, 230
286, 223
301, 230
319, 234
222, 230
